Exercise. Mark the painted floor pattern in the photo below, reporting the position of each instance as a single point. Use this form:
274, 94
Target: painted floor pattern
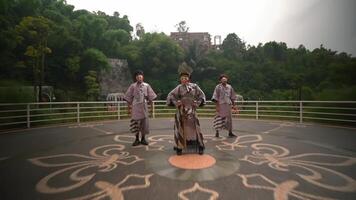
267, 160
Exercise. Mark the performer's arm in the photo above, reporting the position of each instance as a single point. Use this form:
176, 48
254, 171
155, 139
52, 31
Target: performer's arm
200, 96
233, 99
129, 98
151, 95
129, 108
215, 98
172, 97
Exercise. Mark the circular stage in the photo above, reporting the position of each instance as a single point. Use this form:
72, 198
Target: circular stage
192, 161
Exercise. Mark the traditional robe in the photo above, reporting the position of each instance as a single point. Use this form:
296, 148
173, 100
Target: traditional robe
187, 127
223, 96
137, 95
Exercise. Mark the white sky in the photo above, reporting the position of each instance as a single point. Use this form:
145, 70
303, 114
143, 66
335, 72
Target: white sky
308, 22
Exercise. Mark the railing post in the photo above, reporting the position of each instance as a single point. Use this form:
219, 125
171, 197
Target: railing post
256, 110
153, 109
28, 116
118, 110
78, 112
300, 112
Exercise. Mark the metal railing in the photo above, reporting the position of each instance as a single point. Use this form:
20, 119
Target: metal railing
38, 114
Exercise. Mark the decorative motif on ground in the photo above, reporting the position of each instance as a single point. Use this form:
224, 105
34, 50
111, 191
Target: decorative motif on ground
92, 126
102, 159
195, 189
314, 168
159, 142
209, 137
240, 142
115, 192
281, 191
313, 165
155, 142
282, 125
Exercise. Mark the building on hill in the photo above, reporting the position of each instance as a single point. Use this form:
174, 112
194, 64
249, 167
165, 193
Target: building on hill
185, 39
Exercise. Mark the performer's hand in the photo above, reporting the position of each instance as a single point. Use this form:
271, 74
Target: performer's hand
235, 109
129, 108
150, 107
179, 103
195, 104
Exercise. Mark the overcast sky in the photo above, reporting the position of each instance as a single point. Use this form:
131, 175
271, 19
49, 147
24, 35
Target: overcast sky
308, 22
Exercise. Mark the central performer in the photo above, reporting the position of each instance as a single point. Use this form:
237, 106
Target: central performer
187, 97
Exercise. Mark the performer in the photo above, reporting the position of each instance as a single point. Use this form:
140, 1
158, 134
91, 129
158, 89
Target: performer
224, 97
187, 97
137, 97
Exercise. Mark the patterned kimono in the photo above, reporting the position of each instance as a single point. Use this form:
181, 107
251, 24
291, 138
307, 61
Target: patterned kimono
187, 127
137, 95
223, 96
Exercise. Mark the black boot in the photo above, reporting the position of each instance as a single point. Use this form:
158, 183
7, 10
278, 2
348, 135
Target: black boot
136, 142
217, 134
179, 152
201, 150
143, 141
231, 134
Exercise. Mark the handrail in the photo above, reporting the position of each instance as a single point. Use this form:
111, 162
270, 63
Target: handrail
25, 114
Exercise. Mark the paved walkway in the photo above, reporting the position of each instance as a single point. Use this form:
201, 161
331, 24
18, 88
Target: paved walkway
268, 160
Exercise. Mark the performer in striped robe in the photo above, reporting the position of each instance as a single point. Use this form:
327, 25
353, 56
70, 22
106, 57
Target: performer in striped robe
187, 97
137, 97
224, 97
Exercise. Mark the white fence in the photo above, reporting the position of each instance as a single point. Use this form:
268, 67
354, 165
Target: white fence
37, 114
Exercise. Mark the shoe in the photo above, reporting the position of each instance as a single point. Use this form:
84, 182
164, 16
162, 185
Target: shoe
217, 134
179, 152
144, 142
137, 142
232, 135
201, 150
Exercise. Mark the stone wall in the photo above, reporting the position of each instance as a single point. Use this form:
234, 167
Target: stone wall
117, 80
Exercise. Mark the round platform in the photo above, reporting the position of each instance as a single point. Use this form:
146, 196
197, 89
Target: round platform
192, 161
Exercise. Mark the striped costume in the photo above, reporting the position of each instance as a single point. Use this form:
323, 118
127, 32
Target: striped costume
223, 96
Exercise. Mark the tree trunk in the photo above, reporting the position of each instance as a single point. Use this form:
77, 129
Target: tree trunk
34, 82
43, 54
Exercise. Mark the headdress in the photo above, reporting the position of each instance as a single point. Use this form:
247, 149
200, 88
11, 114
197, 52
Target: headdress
184, 69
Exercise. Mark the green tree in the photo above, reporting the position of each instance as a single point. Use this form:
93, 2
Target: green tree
94, 60
34, 31
233, 46
92, 86
113, 41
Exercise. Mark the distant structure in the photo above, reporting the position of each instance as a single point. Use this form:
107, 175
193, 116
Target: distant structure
185, 39
201, 39
115, 96
217, 42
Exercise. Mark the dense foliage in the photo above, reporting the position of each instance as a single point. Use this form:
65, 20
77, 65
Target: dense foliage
47, 42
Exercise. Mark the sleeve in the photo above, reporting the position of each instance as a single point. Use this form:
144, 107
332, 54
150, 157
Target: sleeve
233, 96
172, 97
151, 95
129, 94
200, 96
215, 97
